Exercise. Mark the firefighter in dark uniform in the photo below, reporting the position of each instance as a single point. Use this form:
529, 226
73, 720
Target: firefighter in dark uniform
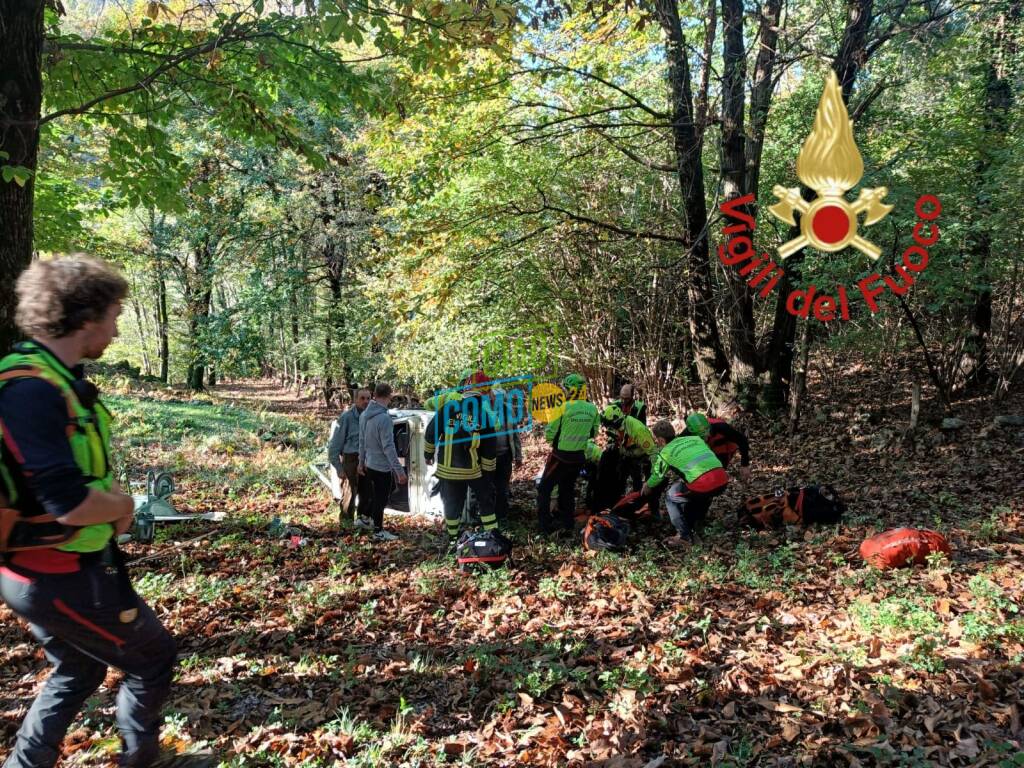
62, 510
463, 446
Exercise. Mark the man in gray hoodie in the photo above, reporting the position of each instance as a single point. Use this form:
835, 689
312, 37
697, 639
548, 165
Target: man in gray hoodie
378, 459
343, 455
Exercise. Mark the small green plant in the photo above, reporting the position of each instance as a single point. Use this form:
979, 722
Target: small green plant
741, 753
992, 527
497, 582
552, 589
340, 563
924, 656
367, 613
938, 562
1009, 756
153, 585
350, 725
894, 615
631, 678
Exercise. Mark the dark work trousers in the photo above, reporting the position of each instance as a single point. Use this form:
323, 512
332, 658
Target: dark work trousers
453, 497
590, 493
614, 471
76, 618
637, 470
562, 474
502, 478
609, 482
688, 509
381, 484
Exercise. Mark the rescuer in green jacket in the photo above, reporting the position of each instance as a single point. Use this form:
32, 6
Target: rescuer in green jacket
631, 448
568, 435
61, 509
631, 404
701, 474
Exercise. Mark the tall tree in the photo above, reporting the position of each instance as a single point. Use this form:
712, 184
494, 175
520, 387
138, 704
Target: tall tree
705, 341
851, 56
997, 103
21, 99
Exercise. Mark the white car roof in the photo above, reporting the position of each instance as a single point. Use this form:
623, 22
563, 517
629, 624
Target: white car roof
407, 413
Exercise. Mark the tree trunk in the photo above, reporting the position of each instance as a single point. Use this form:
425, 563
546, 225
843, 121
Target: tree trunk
293, 308
743, 358
712, 365
199, 295
147, 366
853, 52
782, 343
851, 57
334, 283
915, 405
161, 316
974, 365
761, 92
194, 377
800, 379
21, 97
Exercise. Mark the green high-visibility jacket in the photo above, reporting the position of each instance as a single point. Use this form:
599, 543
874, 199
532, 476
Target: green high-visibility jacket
88, 432
636, 439
437, 402
688, 457
568, 434
592, 452
638, 410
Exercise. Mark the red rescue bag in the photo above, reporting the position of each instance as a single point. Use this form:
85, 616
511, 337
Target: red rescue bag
902, 546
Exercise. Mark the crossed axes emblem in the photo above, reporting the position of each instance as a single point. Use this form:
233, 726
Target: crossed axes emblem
830, 164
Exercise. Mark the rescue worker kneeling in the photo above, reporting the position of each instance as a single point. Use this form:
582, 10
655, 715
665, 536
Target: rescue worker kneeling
62, 573
464, 449
723, 439
702, 478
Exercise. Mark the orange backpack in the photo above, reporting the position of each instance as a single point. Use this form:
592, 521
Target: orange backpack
770, 512
809, 505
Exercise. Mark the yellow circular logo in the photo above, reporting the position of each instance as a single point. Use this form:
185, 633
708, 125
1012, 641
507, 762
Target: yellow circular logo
547, 401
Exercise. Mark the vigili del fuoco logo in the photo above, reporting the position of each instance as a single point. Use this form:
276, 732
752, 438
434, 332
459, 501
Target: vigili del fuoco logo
830, 164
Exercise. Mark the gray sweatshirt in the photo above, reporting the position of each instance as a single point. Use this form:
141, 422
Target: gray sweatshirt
377, 440
344, 436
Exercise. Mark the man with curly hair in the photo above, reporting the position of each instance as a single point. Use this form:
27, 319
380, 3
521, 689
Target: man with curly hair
61, 511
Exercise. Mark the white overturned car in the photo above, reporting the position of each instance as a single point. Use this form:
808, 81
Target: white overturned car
419, 496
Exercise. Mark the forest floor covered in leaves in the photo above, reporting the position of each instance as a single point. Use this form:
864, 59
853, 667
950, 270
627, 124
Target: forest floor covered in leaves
753, 649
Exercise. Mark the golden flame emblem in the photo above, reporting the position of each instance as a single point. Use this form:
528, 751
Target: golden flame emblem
830, 164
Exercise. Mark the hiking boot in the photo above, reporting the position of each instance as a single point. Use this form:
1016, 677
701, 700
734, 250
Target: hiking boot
678, 542
383, 535
363, 524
